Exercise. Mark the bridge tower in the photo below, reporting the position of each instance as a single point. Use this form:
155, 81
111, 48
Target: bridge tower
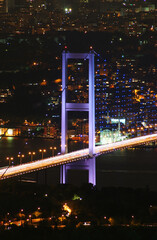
90, 107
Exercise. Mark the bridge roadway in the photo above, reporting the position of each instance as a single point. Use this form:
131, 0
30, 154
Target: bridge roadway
12, 171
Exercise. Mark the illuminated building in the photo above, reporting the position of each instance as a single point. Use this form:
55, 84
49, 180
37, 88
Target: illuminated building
109, 136
113, 93
3, 6
103, 93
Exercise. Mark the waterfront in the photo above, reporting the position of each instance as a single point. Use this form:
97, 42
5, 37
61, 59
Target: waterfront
127, 168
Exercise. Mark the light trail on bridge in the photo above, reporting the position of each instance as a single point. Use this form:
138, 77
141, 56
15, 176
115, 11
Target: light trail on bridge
12, 171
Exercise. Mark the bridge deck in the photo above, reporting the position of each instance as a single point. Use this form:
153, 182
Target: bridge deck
8, 172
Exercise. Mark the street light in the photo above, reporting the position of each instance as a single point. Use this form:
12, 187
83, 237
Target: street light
20, 156
53, 150
42, 152
9, 159
31, 154
30, 219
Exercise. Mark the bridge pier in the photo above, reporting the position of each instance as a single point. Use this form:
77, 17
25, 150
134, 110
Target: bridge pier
86, 164
63, 174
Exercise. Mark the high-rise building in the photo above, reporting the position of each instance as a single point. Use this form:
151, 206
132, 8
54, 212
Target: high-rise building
103, 92
113, 93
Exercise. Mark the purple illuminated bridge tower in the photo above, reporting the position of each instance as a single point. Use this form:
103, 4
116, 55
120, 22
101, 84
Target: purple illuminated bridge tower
87, 164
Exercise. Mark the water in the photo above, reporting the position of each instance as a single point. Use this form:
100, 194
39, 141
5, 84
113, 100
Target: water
135, 168
126, 168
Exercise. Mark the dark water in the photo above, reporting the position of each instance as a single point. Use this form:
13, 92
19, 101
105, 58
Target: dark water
126, 168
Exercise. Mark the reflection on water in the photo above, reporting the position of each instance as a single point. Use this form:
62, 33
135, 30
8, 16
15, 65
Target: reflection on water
125, 168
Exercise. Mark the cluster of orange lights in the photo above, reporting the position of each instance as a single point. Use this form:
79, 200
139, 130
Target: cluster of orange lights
67, 208
139, 128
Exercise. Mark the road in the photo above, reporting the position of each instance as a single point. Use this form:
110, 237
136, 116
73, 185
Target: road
12, 171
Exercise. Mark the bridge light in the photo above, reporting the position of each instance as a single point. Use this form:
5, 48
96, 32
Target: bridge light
31, 154
9, 159
20, 156
53, 150
42, 152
